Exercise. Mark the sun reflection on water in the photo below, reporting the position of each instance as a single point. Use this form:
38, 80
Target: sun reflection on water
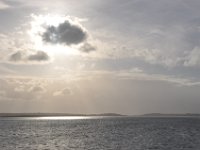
55, 118
64, 118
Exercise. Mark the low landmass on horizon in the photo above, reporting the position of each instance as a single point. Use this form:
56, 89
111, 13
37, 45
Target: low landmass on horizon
169, 115
53, 114
100, 114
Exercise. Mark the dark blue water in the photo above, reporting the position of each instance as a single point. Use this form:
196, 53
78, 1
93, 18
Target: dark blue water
120, 133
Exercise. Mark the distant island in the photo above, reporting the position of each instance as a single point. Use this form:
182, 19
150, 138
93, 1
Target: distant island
170, 115
53, 114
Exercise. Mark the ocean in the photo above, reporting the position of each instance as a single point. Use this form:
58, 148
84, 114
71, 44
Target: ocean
100, 133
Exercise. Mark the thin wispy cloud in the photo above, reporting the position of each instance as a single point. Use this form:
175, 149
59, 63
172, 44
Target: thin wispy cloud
63, 92
37, 89
87, 48
4, 5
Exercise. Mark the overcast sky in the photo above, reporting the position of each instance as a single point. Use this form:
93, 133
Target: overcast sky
98, 56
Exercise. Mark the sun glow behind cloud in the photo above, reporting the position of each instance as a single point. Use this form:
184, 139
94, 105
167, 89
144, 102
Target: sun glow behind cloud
38, 27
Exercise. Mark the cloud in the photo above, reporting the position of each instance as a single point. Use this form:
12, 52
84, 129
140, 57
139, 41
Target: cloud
39, 56
3, 5
136, 70
192, 58
63, 92
2, 94
22, 56
65, 33
17, 56
87, 48
37, 89
20, 88
146, 27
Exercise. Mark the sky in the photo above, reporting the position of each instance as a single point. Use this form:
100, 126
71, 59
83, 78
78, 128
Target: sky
100, 56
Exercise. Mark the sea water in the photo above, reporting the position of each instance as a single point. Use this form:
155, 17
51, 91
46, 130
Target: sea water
100, 133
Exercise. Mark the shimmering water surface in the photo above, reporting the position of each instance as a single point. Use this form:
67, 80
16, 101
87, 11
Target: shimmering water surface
99, 133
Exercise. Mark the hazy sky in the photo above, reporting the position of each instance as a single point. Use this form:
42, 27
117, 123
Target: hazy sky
97, 56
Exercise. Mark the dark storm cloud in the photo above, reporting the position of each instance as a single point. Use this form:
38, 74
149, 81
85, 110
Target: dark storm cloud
65, 33
39, 56
21, 56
